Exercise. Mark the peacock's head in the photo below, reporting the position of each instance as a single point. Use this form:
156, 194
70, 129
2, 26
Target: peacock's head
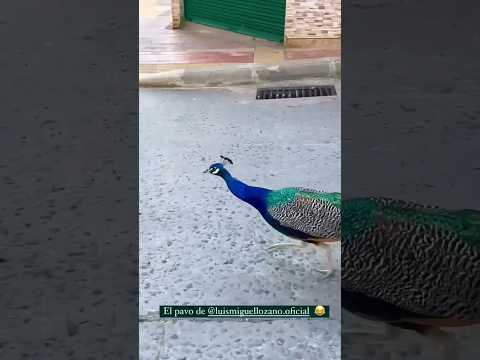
219, 168
216, 169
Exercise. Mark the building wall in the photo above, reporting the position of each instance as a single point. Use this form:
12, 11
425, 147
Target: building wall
306, 21
313, 19
177, 13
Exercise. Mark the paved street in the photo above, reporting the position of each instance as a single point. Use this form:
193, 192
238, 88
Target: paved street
201, 245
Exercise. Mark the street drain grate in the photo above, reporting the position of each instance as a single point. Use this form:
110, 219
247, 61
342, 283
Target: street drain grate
295, 92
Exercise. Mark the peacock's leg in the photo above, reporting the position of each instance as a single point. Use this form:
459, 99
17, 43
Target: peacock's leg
283, 245
329, 270
445, 343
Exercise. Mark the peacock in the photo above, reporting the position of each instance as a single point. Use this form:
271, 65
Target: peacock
411, 266
299, 213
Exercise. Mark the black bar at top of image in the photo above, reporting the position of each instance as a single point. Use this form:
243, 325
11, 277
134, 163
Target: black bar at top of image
69, 180
410, 132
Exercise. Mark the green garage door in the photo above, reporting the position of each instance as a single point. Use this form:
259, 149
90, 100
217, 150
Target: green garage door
260, 18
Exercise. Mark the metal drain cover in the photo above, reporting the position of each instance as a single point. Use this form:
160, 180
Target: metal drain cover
295, 92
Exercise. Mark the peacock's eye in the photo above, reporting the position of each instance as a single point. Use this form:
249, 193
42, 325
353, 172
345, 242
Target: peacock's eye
215, 171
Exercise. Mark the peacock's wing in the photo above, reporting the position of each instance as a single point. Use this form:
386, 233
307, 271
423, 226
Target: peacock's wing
384, 213
311, 212
420, 259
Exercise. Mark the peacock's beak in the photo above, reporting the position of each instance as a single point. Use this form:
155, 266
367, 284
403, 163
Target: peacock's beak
206, 170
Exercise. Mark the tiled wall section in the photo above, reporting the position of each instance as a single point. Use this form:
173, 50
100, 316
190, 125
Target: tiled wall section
313, 19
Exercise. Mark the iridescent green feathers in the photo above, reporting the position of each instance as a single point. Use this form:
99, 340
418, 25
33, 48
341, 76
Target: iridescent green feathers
281, 197
360, 216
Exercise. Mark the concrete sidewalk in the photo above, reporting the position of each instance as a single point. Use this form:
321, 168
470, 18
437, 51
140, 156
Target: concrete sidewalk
198, 55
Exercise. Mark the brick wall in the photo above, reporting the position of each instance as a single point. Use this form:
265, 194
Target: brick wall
313, 19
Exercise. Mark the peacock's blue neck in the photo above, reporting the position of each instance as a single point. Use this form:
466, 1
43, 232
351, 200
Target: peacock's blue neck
254, 196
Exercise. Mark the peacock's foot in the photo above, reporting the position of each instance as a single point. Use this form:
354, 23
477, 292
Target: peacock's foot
445, 343
284, 245
326, 273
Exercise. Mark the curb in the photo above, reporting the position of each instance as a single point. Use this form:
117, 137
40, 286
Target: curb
240, 74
